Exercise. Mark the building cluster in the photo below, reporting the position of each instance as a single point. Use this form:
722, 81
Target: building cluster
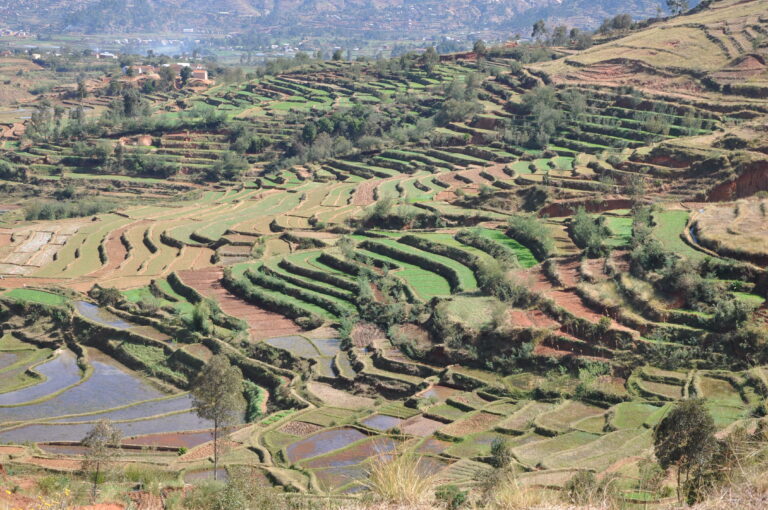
198, 71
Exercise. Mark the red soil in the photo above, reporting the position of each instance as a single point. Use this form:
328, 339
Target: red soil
420, 426
568, 208
752, 179
363, 194
11, 450
56, 464
532, 319
565, 299
206, 450
116, 252
171, 439
596, 268
263, 324
569, 273
445, 196
5, 238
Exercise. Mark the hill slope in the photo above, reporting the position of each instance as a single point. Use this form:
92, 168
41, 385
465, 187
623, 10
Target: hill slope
720, 48
441, 17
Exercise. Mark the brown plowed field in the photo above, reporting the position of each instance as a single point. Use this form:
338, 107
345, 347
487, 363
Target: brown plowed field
532, 319
569, 273
363, 194
597, 269
263, 324
563, 298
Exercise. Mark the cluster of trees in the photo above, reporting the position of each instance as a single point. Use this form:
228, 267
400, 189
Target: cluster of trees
561, 36
56, 210
619, 23
683, 279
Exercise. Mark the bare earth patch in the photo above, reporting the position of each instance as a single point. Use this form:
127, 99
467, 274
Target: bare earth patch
338, 398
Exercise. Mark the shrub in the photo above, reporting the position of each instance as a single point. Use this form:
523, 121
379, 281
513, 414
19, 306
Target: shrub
451, 496
505, 256
533, 233
501, 453
590, 233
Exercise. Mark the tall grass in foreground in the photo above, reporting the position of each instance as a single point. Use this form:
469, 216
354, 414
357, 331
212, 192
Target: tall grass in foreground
400, 480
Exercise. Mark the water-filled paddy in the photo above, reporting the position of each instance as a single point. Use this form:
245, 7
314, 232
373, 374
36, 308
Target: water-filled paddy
76, 431
103, 317
381, 422
296, 345
111, 385
59, 373
375, 447
320, 443
143, 410
327, 346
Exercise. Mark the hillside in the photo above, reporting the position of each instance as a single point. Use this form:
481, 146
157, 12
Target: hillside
718, 53
354, 17
510, 271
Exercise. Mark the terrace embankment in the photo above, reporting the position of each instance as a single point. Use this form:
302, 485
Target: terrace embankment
262, 324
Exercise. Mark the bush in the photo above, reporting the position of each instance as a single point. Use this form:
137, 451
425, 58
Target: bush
501, 453
533, 233
505, 256
590, 233
418, 260
451, 496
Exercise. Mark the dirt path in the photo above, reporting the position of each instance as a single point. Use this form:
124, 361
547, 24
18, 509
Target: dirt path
263, 324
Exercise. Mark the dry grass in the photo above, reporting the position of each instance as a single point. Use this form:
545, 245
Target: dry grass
400, 481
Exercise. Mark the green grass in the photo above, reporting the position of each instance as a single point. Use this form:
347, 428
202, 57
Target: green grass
533, 453
621, 231
473, 311
36, 296
425, 284
669, 226
629, 415
465, 274
524, 255
447, 412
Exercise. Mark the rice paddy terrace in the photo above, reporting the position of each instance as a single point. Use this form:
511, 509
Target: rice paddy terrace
353, 288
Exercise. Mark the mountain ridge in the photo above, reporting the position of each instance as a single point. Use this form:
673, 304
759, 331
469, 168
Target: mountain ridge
114, 16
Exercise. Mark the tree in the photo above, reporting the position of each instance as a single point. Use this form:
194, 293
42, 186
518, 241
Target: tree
677, 6
337, 55
560, 36
479, 48
185, 74
685, 438
539, 29
101, 444
217, 395
501, 453
82, 90
622, 22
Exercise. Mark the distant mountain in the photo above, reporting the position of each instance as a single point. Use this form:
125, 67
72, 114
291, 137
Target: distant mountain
352, 17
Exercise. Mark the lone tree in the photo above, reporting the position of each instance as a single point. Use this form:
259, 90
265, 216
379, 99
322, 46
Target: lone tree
217, 394
685, 438
185, 74
101, 444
